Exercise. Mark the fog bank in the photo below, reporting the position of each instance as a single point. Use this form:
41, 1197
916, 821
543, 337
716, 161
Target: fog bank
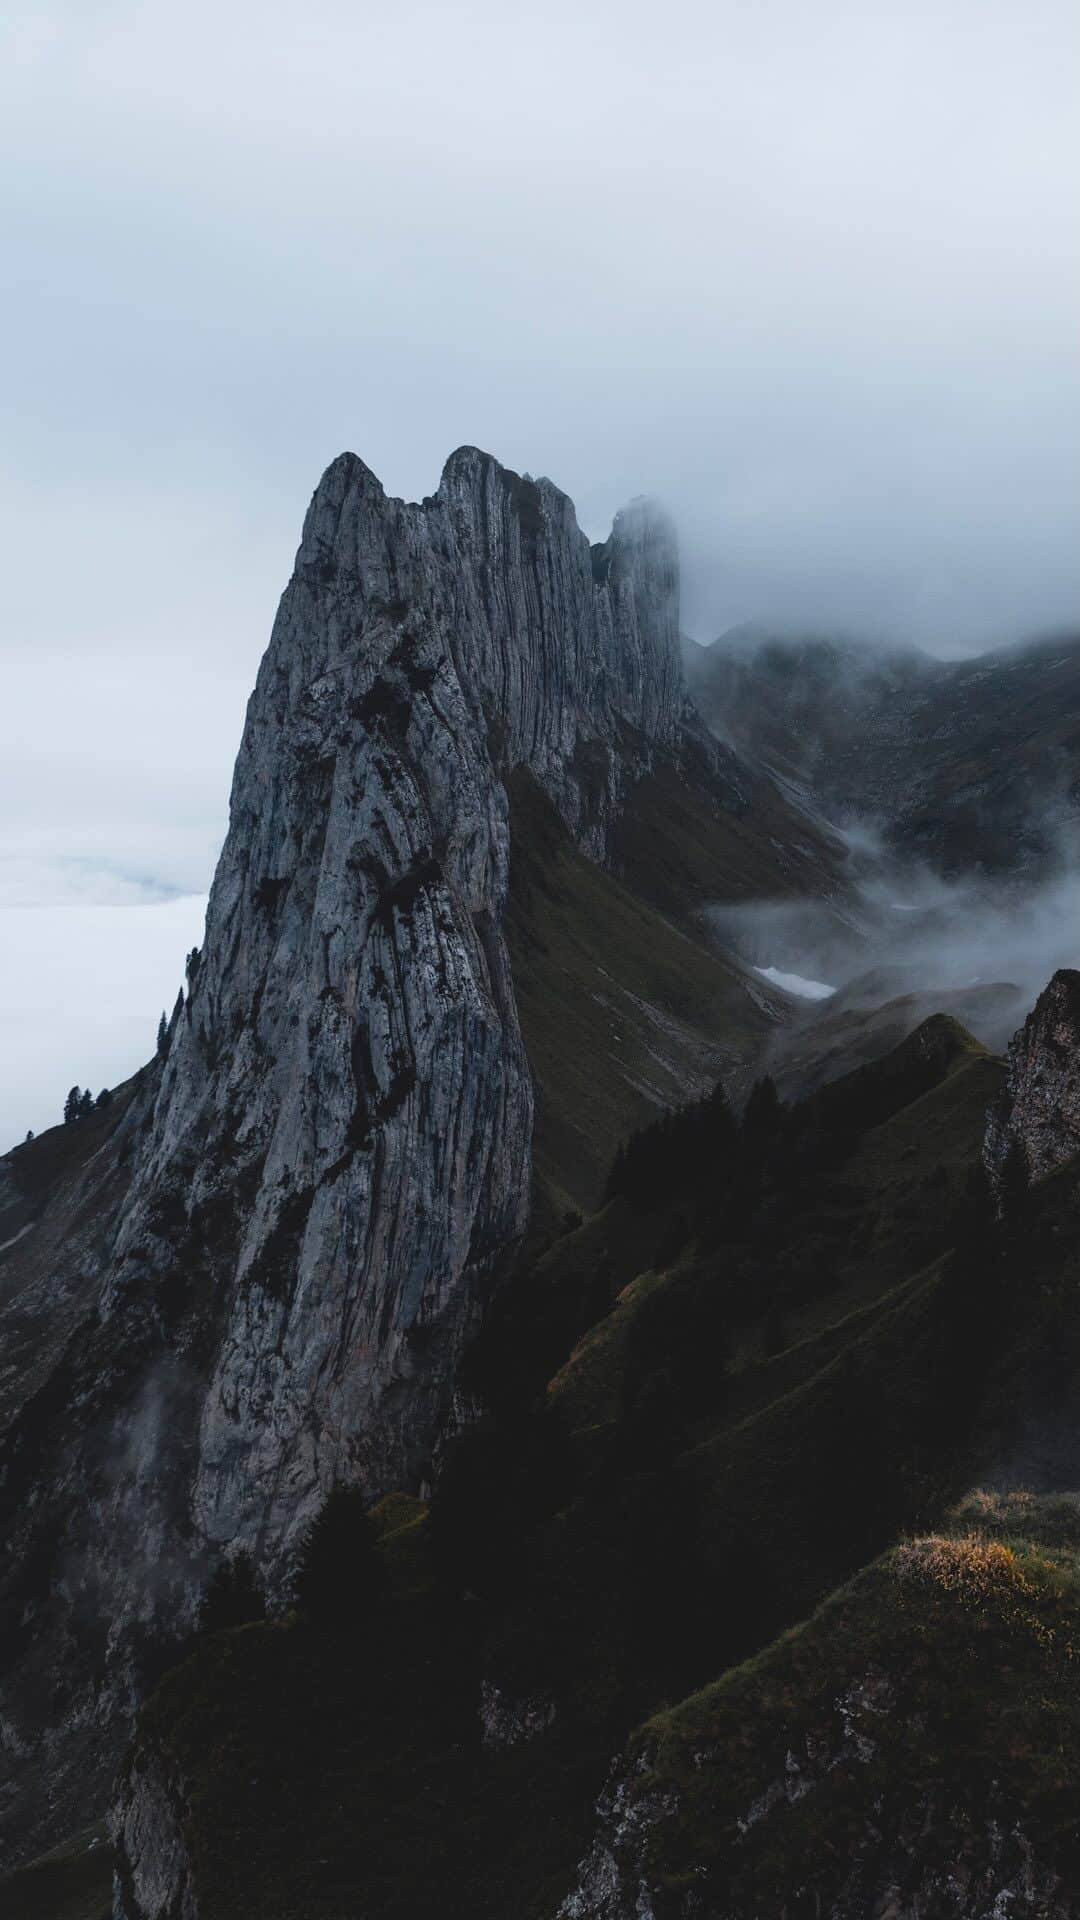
985, 951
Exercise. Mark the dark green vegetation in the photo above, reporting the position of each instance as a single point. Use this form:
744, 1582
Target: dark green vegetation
781, 1346
233, 1596
935, 1699
79, 1103
619, 1005
620, 993
339, 1572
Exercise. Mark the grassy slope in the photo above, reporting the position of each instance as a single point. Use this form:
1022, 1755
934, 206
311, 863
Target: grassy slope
624, 1009
906, 1177
389, 1798
678, 845
955, 1660
886, 1218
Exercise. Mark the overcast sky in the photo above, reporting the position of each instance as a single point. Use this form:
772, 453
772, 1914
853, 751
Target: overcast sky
807, 272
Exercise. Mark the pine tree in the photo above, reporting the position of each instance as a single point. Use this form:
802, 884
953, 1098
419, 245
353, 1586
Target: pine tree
1015, 1186
234, 1597
104, 1098
73, 1106
974, 1265
616, 1180
338, 1574
719, 1117
763, 1113
86, 1103
162, 1036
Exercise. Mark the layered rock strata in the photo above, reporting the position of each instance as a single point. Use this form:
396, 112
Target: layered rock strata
309, 1194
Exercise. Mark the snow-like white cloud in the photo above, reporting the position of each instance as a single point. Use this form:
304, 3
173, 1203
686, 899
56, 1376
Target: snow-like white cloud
797, 984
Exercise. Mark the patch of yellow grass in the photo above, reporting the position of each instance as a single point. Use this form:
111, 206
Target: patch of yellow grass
987, 1577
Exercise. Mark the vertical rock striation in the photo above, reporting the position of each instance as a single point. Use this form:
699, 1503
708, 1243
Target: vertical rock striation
310, 1194
1039, 1108
350, 1058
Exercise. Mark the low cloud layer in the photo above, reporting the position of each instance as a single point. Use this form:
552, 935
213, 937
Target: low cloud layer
980, 950
807, 273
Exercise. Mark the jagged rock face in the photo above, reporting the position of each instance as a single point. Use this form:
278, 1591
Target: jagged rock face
1040, 1105
324, 1173
350, 1052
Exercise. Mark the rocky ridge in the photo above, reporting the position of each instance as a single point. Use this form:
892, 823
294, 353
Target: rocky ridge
351, 1047
307, 1198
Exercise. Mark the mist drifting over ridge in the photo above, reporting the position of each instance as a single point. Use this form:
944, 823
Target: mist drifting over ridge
954, 787
815, 297
910, 932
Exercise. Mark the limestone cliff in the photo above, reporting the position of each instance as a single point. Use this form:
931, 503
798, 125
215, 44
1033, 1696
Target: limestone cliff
351, 1050
291, 1229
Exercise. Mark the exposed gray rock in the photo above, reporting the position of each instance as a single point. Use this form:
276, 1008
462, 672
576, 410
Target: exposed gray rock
264, 1283
612, 1882
1039, 1108
153, 1878
351, 1050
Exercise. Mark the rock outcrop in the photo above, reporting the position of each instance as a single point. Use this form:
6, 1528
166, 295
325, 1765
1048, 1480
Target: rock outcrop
351, 1054
311, 1192
1039, 1108
147, 1822
925, 1861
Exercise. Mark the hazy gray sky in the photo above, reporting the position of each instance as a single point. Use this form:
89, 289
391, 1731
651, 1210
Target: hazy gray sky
808, 272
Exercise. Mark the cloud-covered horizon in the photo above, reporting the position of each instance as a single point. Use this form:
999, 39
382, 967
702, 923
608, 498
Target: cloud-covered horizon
804, 274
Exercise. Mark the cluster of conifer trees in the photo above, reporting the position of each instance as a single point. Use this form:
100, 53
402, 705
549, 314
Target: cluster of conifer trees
80, 1102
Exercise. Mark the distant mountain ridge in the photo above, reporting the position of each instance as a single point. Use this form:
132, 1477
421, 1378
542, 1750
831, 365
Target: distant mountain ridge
969, 763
